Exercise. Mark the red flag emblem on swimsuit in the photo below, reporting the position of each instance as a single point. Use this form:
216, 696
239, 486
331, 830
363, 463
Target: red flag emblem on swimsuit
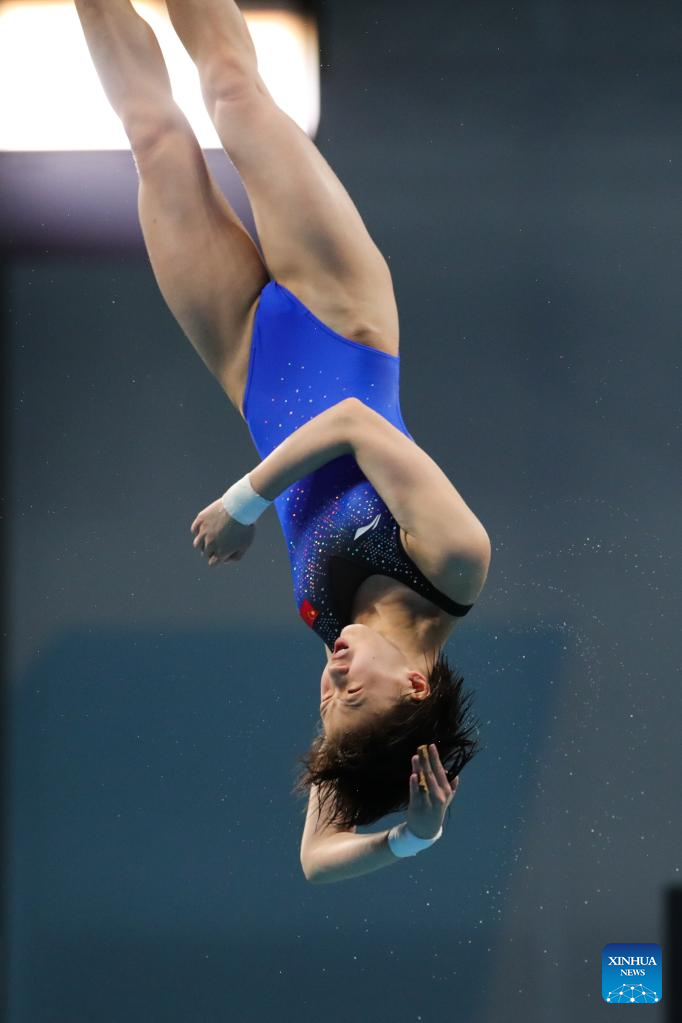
308, 612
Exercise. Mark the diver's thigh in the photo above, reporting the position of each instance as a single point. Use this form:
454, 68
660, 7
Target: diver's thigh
313, 238
206, 264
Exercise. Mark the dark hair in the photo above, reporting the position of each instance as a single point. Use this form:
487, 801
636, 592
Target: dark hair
364, 775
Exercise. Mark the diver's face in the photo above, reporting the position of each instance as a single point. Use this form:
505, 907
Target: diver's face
365, 677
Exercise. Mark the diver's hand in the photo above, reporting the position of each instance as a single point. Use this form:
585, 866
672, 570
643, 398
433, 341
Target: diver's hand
219, 536
426, 809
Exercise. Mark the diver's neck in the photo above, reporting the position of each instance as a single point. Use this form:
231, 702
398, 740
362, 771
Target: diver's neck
415, 635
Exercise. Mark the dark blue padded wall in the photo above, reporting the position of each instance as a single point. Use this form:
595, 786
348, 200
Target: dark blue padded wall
155, 851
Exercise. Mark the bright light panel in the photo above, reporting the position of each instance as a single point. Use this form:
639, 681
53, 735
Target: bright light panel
52, 98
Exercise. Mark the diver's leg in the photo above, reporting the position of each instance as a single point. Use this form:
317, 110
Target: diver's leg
312, 236
206, 263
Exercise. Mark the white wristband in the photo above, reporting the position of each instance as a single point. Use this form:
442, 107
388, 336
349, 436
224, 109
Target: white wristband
403, 843
243, 503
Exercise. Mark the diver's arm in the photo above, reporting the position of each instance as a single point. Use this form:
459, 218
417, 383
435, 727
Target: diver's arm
446, 539
343, 855
443, 535
220, 536
417, 492
330, 854
320, 440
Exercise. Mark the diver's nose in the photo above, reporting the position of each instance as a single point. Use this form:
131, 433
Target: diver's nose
337, 671
337, 674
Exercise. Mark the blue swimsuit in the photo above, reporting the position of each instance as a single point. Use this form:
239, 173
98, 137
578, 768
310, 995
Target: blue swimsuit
337, 529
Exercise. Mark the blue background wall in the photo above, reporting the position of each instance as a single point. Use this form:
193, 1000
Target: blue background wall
520, 169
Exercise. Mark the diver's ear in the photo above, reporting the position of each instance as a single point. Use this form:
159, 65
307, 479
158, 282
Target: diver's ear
420, 685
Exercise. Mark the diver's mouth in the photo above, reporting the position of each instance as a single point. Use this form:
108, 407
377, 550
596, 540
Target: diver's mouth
339, 645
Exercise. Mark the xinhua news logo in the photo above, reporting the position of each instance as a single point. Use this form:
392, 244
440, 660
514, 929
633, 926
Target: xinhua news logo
631, 973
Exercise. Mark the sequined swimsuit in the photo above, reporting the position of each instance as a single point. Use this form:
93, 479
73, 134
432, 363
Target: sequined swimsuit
337, 528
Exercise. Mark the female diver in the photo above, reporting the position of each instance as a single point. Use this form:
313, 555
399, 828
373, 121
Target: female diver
386, 556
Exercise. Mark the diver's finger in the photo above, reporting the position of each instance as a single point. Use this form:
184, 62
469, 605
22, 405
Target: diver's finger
421, 775
439, 770
426, 764
415, 782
